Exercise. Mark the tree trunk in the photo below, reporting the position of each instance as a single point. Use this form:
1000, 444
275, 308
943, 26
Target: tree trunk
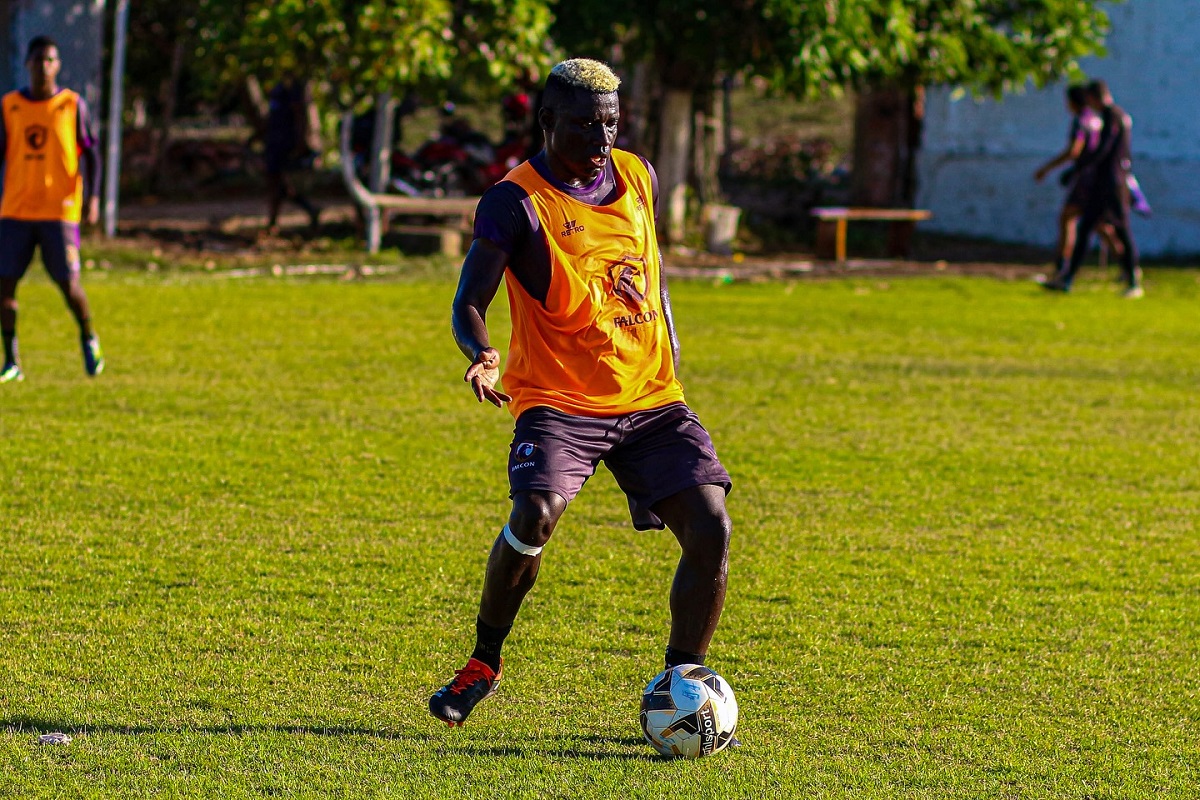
636, 110
169, 97
312, 119
674, 156
255, 104
381, 142
710, 144
887, 137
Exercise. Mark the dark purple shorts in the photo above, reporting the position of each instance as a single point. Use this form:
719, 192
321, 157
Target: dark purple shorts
59, 242
652, 454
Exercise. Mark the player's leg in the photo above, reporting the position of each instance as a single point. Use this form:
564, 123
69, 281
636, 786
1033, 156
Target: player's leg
516, 555
512, 570
11, 370
17, 241
60, 253
281, 188
1130, 270
89, 342
1084, 229
275, 194
1109, 233
669, 470
1066, 233
701, 524
77, 302
551, 457
298, 197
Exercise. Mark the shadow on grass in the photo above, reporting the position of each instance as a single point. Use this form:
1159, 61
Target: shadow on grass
594, 748
34, 726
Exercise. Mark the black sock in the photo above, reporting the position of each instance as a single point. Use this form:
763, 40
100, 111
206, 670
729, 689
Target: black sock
10, 347
488, 641
677, 657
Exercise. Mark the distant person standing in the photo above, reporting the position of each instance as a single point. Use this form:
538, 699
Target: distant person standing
1107, 168
287, 148
51, 175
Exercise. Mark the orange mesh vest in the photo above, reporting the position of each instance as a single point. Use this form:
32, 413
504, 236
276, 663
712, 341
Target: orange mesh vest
599, 347
41, 177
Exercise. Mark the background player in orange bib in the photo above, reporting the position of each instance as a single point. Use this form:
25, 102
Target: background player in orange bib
51, 182
591, 372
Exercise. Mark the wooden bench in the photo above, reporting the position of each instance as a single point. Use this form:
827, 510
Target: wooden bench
453, 216
832, 224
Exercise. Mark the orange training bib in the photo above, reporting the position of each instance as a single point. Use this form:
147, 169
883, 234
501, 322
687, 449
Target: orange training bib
599, 346
41, 178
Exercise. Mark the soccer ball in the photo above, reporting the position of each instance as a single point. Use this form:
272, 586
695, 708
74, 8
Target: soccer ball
689, 711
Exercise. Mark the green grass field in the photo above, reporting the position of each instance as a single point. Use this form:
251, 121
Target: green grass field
965, 558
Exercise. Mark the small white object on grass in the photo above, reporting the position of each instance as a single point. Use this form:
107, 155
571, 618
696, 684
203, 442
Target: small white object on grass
54, 738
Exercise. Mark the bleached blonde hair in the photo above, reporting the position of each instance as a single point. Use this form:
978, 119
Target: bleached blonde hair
587, 74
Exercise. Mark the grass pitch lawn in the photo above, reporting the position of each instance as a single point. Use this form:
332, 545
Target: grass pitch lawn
965, 555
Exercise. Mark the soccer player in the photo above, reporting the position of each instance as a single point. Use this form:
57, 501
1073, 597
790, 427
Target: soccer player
288, 148
1108, 201
591, 372
1084, 137
51, 176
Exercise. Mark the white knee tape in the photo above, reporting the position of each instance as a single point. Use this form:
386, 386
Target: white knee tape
518, 545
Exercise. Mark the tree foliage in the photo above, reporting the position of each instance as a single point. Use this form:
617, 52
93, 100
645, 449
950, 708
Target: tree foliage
987, 46
361, 47
808, 47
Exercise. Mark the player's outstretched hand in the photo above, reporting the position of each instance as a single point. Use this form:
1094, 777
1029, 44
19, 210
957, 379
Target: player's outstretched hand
483, 374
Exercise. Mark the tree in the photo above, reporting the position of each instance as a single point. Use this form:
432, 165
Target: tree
688, 46
161, 32
364, 47
982, 46
810, 47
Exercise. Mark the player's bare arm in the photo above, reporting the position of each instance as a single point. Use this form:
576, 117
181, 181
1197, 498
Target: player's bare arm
1071, 153
478, 282
89, 158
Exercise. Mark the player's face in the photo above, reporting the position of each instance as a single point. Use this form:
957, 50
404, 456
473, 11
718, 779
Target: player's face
580, 136
43, 65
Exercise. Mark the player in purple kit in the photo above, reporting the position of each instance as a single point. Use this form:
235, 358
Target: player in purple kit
1083, 138
1107, 168
51, 177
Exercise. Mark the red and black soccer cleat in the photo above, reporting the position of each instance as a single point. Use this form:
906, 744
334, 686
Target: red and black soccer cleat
472, 684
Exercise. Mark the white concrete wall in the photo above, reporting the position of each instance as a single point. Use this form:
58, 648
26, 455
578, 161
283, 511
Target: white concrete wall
978, 159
